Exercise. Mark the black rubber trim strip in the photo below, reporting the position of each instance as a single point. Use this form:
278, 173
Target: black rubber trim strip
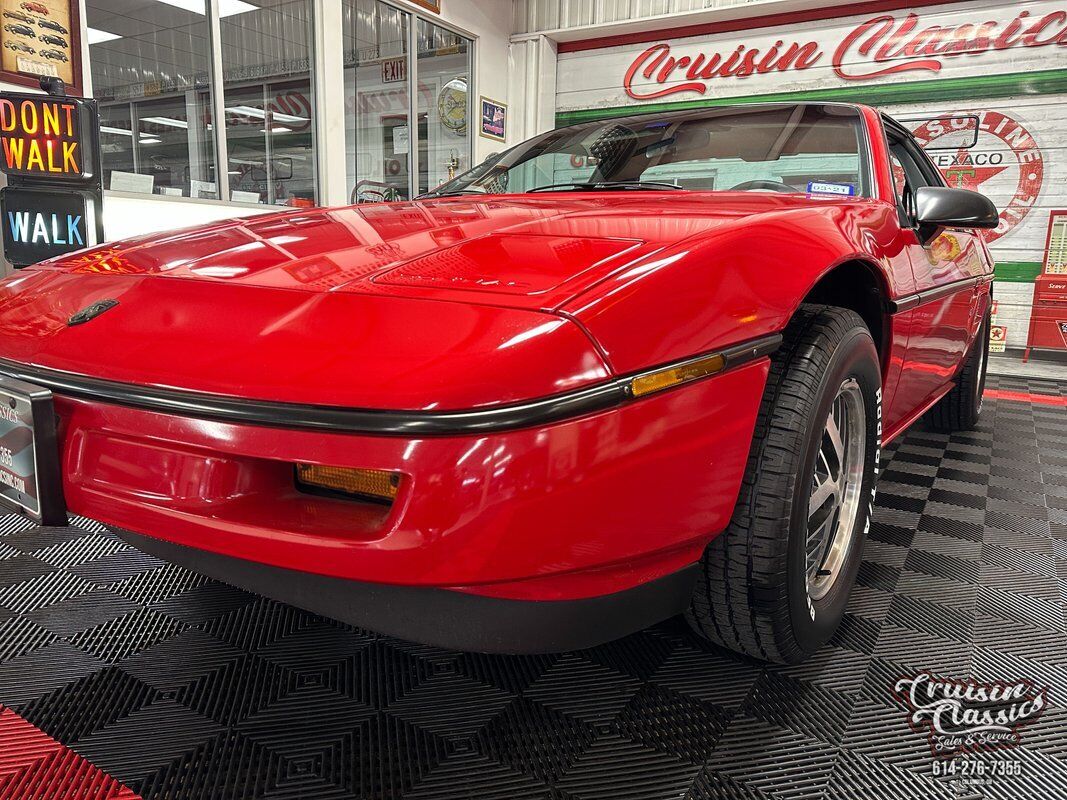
910, 301
441, 617
202, 405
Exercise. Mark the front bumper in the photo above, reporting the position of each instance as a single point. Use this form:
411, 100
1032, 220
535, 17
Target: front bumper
439, 617
571, 510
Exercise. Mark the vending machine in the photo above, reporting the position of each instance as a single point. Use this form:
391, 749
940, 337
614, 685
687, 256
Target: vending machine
1048, 317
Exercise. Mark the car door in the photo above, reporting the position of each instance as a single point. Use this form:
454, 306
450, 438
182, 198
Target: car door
940, 318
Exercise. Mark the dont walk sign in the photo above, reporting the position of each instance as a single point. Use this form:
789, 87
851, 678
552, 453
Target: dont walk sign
49, 151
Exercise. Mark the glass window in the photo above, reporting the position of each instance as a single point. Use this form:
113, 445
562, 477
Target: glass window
900, 177
381, 145
150, 64
270, 107
444, 104
377, 102
152, 68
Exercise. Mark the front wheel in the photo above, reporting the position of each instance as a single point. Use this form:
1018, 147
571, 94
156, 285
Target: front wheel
775, 583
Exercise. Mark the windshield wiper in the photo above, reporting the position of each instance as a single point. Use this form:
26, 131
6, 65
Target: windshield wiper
661, 186
453, 193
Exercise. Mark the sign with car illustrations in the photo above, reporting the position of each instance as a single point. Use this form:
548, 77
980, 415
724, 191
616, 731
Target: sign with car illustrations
36, 39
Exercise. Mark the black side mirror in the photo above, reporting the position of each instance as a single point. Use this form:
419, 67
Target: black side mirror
938, 207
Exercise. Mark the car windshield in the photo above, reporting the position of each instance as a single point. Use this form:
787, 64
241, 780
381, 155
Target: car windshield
807, 149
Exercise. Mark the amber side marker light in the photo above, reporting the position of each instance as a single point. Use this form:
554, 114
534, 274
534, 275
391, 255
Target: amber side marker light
363, 484
673, 376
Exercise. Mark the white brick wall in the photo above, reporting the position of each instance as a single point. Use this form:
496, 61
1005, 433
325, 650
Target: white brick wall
534, 16
1013, 310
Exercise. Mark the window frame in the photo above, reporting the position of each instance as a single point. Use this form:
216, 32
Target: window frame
897, 135
414, 15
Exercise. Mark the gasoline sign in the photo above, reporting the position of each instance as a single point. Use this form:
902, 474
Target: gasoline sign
40, 224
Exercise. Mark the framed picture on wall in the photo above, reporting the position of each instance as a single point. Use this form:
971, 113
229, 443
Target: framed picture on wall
38, 38
429, 5
494, 119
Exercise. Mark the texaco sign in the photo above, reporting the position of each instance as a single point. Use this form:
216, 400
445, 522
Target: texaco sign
1005, 161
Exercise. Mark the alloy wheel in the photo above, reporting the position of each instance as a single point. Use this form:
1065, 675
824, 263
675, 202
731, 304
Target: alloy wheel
836, 486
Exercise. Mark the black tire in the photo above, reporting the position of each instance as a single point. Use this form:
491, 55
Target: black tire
753, 595
960, 408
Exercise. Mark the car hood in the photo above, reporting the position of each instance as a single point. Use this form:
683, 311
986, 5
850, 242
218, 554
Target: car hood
527, 251
440, 305
320, 348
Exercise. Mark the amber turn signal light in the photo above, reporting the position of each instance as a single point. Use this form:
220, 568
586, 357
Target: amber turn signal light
673, 376
374, 484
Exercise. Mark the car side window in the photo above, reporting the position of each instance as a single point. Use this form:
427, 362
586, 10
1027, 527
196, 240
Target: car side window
908, 176
900, 177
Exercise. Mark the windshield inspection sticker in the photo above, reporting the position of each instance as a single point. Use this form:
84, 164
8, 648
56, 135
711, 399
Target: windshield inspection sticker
838, 189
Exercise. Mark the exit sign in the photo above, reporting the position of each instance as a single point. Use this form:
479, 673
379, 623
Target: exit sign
42, 137
394, 70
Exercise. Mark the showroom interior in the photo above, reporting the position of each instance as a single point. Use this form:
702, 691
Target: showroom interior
310, 236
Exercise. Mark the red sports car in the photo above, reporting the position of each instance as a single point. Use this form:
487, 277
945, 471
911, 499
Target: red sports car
624, 370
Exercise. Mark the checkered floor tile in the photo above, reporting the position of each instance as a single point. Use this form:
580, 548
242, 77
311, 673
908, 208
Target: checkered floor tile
180, 687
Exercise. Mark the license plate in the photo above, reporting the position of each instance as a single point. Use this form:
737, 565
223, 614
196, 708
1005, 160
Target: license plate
29, 455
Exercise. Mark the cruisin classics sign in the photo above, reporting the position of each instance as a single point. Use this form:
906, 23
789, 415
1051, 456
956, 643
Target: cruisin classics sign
880, 46
952, 40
